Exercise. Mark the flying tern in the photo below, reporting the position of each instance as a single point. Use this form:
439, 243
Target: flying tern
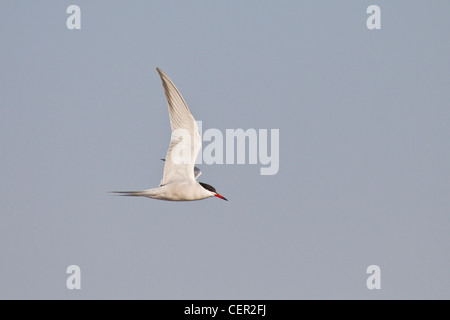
179, 182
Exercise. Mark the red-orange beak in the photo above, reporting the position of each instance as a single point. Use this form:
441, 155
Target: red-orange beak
221, 197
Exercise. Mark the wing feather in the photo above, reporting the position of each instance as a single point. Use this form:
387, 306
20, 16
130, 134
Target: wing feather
185, 136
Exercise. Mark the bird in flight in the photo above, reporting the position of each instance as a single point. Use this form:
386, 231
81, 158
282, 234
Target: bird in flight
179, 182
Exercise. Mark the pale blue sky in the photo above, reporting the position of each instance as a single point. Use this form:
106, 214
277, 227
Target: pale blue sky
364, 159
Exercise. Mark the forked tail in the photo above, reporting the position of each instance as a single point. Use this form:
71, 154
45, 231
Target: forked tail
130, 193
150, 193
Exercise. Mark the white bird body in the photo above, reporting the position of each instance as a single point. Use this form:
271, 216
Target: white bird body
179, 179
176, 191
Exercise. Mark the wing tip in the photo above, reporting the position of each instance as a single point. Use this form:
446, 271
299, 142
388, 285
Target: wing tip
161, 73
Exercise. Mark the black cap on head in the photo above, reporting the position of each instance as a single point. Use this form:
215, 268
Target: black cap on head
212, 189
208, 187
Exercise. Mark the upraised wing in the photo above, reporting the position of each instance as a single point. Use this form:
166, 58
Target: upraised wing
197, 171
185, 142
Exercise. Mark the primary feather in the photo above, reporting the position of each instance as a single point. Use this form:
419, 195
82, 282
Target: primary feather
183, 125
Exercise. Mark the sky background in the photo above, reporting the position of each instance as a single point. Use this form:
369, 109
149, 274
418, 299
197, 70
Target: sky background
364, 172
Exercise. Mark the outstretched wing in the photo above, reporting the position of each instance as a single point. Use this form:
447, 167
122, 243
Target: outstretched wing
185, 142
197, 171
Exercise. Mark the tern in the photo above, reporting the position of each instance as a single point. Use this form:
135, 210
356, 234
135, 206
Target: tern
179, 182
